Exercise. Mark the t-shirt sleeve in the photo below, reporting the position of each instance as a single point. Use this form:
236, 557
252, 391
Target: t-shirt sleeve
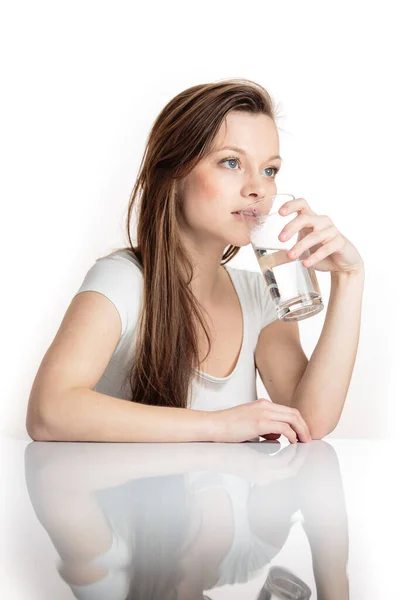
267, 306
121, 282
114, 586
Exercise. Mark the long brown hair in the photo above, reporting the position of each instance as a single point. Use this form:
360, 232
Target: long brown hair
166, 351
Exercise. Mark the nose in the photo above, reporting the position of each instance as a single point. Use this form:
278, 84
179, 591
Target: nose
257, 190
257, 193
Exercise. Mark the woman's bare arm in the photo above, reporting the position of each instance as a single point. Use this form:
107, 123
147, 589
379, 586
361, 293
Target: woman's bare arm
63, 405
83, 415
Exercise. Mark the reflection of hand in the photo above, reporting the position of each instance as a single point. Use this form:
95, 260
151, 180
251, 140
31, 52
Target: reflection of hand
94, 466
261, 468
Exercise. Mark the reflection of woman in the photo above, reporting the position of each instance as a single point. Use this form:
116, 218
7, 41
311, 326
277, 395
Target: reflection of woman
148, 519
122, 532
167, 325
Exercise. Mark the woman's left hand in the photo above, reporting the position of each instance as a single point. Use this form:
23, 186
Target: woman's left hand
329, 249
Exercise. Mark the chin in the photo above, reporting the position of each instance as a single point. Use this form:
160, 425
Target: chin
239, 240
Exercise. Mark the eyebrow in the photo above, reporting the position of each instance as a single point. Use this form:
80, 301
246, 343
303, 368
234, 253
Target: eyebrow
241, 151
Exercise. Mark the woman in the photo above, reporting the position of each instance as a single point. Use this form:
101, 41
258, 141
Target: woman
169, 327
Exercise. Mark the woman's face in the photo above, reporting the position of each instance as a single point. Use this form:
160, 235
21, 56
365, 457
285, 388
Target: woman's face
228, 180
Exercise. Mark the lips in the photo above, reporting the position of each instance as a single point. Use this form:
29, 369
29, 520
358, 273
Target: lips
244, 213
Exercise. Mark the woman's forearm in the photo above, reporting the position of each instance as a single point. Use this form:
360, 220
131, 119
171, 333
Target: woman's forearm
83, 415
322, 390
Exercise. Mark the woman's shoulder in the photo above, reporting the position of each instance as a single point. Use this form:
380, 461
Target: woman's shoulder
118, 276
124, 256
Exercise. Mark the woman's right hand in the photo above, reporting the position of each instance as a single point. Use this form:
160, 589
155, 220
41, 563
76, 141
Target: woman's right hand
259, 418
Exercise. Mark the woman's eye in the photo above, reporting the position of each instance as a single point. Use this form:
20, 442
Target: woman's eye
229, 160
273, 169
236, 160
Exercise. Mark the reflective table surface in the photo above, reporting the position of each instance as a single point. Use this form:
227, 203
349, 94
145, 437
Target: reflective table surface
196, 521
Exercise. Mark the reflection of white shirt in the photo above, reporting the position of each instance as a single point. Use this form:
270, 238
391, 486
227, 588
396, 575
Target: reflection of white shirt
115, 585
118, 276
247, 556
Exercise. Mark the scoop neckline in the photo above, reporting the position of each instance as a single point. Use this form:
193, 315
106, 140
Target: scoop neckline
205, 375
209, 377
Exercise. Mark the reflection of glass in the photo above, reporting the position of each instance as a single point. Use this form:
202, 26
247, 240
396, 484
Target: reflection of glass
293, 288
284, 584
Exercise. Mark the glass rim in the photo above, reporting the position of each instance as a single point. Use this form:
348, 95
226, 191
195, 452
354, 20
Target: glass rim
267, 198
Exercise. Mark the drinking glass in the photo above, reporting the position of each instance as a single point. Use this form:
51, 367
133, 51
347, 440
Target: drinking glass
292, 287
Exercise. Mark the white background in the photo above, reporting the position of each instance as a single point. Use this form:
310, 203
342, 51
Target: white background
82, 83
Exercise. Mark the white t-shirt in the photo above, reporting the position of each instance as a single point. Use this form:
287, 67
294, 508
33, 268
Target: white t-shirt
118, 276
